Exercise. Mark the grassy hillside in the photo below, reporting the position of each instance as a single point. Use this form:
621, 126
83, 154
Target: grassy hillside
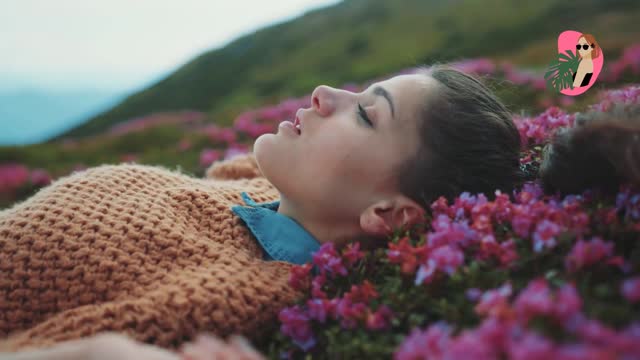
360, 39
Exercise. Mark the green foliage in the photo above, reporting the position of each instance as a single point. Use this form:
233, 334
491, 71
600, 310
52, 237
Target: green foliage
561, 70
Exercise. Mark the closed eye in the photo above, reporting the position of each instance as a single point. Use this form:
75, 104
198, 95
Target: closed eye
363, 115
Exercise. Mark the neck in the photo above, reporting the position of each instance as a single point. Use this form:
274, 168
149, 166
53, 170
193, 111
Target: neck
322, 229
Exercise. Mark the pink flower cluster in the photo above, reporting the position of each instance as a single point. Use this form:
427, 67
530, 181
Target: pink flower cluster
626, 95
351, 310
505, 333
150, 121
14, 176
630, 60
536, 130
220, 134
470, 223
587, 253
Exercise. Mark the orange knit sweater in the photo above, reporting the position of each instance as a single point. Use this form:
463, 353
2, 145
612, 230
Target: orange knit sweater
139, 249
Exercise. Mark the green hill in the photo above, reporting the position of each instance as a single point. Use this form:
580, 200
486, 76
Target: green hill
358, 40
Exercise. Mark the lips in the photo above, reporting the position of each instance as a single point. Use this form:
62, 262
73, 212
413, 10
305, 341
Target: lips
297, 124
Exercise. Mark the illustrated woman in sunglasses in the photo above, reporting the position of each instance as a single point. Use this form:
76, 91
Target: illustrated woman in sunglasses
587, 49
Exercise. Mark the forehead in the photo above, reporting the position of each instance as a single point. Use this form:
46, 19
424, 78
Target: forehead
408, 92
582, 40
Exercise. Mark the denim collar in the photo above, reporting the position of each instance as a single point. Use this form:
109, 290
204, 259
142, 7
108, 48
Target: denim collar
281, 237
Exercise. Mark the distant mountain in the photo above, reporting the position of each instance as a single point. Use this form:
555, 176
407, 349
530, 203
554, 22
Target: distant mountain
32, 115
357, 40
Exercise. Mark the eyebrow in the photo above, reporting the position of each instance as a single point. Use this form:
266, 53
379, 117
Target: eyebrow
380, 91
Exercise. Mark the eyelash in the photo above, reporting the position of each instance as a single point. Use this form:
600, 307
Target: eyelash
363, 115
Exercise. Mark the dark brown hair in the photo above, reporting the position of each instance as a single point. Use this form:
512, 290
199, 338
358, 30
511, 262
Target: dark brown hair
469, 142
601, 152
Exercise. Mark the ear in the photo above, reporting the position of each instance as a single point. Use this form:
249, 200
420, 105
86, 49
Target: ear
384, 216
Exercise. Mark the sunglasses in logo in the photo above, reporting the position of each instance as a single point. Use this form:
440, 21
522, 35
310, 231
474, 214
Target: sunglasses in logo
584, 47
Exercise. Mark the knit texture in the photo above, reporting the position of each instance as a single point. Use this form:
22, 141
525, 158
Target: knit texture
143, 250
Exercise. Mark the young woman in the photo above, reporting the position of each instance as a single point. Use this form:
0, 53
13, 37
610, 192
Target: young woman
587, 49
161, 256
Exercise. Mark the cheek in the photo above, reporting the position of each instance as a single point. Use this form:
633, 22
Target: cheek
334, 156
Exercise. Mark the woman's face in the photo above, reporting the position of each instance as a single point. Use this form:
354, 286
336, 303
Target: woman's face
340, 163
581, 51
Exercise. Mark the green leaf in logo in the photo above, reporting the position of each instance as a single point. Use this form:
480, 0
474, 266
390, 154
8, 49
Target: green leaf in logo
559, 75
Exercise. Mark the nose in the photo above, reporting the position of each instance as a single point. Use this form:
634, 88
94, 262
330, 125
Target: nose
323, 100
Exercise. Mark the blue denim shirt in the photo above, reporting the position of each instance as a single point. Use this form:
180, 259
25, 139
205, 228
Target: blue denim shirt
281, 237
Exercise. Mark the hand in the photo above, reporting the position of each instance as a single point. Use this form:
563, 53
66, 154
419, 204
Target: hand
103, 346
111, 345
209, 347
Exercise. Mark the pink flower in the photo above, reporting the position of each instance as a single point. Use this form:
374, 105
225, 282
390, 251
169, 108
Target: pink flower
12, 176
208, 156
321, 309
568, 303
299, 276
351, 314
588, 253
403, 253
352, 253
528, 345
494, 302
430, 344
631, 289
380, 319
536, 299
40, 177
471, 344
362, 293
219, 134
316, 286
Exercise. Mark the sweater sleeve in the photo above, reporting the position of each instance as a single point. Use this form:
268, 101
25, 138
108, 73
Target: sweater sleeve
239, 167
224, 300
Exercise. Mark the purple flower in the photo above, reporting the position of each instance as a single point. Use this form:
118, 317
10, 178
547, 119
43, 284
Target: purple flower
328, 260
444, 258
545, 235
631, 289
473, 294
320, 309
350, 313
295, 324
629, 203
447, 258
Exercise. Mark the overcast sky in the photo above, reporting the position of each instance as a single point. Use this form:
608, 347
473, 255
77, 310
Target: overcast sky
116, 44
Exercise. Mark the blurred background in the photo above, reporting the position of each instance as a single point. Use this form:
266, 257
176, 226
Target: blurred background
185, 83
